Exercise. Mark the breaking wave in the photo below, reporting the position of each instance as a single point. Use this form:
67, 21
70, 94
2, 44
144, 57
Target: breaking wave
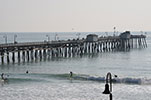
126, 80
38, 77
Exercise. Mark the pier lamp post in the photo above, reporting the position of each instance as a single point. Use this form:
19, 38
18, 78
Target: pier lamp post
114, 30
108, 89
15, 36
5, 36
56, 35
48, 37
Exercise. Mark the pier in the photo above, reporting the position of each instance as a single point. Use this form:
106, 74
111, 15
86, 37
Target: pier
29, 51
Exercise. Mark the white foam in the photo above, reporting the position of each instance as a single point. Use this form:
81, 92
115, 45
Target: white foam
73, 91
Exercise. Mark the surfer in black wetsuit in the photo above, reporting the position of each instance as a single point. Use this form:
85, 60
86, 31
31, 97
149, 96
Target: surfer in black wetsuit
2, 76
115, 76
115, 79
71, 74
27, 72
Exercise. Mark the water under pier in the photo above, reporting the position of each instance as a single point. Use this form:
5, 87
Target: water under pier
29, 51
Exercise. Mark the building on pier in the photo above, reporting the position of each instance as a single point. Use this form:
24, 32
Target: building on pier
92, 38
125, 35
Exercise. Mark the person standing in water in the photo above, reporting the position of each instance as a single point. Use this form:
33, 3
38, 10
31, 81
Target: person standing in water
27, 72
71, 74
2, 76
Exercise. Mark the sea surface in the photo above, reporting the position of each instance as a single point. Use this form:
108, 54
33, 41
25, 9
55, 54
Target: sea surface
49, 79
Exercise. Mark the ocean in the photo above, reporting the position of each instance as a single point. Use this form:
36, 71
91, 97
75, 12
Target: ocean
49, 79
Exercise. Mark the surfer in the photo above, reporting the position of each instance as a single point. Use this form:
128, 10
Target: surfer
115, 76
27, 72
71, 74
2, 76
115, 79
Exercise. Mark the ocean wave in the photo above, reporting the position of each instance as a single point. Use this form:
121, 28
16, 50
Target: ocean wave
38, 77
126, 80
84, 77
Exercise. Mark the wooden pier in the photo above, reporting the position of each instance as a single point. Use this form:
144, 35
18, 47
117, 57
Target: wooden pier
29, 51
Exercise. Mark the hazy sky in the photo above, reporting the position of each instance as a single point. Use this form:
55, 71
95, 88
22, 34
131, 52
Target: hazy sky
74, 15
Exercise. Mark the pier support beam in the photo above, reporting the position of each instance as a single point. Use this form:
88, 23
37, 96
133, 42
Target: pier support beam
40, 54
8, 57
2, 57
48, 53
31, 55
36, 52
44, 54
18, 56
27, 55
13, 57
23, 56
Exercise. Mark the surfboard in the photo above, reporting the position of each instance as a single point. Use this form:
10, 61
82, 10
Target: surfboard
3, 80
